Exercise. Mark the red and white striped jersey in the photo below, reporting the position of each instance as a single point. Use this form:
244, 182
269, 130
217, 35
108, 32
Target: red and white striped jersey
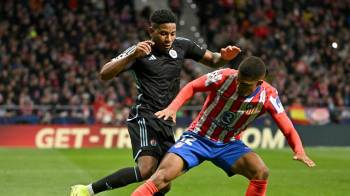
225, 114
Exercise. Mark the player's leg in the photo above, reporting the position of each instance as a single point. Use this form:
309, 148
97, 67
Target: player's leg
150, 142
171, 167
147, 162
120, 178
237, 158
188, 152
253, 167
146, 165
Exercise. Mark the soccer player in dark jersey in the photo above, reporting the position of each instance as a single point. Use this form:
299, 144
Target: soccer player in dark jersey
156, 64
235, 99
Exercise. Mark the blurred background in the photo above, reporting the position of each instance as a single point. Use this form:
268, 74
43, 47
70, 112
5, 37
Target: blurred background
52, 52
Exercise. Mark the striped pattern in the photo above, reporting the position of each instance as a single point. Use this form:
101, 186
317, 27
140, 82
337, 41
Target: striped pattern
143, 132
214, 103
212, 120
138, 179
143, 136
127, 52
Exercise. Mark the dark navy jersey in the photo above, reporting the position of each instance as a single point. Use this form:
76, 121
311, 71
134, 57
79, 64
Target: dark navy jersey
158, 74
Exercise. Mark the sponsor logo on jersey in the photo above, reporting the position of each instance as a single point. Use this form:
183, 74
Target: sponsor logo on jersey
227, 118
277, 104
152, 58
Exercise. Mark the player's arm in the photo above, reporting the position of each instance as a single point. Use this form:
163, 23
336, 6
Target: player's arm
215, 59
204, 83
284, 123
118, 64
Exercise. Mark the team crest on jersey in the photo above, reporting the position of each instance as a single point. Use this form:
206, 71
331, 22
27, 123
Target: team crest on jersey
173, 53
250, 109
213, 77
153, 142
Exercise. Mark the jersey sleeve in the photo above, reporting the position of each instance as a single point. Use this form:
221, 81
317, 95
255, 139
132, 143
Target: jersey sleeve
277, 112
125, 53
192, 50
207, 82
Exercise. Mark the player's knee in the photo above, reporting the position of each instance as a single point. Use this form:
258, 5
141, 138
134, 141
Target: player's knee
147, 170
262, 173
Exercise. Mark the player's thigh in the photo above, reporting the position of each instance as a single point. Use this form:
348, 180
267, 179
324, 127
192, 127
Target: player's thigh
136, 137
171, 167
251, 166
147, 140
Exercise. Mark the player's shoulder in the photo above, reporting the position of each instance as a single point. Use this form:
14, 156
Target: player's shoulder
270, 90
182, 41
222, 74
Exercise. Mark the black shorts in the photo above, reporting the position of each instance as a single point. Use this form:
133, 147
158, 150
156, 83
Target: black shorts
150, 136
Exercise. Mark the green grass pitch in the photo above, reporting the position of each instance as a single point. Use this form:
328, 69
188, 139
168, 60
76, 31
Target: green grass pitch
35, 172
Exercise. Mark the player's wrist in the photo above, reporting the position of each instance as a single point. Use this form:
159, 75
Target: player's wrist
173, 108
134, 55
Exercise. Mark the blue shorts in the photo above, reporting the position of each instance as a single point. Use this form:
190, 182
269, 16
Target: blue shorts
195, 149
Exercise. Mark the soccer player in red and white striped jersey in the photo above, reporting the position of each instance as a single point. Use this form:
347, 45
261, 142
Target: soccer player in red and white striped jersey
236, 98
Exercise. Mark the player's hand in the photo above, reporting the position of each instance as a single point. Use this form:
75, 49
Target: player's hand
305, 159
166, 114
229, 53
143, 48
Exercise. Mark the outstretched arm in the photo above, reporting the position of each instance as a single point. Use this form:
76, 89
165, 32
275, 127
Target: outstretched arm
292, 136
293, 139
118, 64
215, 59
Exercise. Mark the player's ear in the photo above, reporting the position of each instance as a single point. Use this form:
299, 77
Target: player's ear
151, 29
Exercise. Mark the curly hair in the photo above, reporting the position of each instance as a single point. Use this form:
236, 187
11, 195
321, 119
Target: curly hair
162, 16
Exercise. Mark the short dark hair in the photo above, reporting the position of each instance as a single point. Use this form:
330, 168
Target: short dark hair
252, 67
162, 16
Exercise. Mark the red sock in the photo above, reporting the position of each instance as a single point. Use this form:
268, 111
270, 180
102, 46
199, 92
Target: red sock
147, 189
256, 188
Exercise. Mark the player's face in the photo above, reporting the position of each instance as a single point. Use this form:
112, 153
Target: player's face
163, 35
246, 86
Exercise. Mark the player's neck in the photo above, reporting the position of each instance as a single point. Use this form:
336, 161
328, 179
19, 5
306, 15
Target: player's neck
253, 93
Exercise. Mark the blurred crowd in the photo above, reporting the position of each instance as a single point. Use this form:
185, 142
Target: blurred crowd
51, 55
304, 43
52, 52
